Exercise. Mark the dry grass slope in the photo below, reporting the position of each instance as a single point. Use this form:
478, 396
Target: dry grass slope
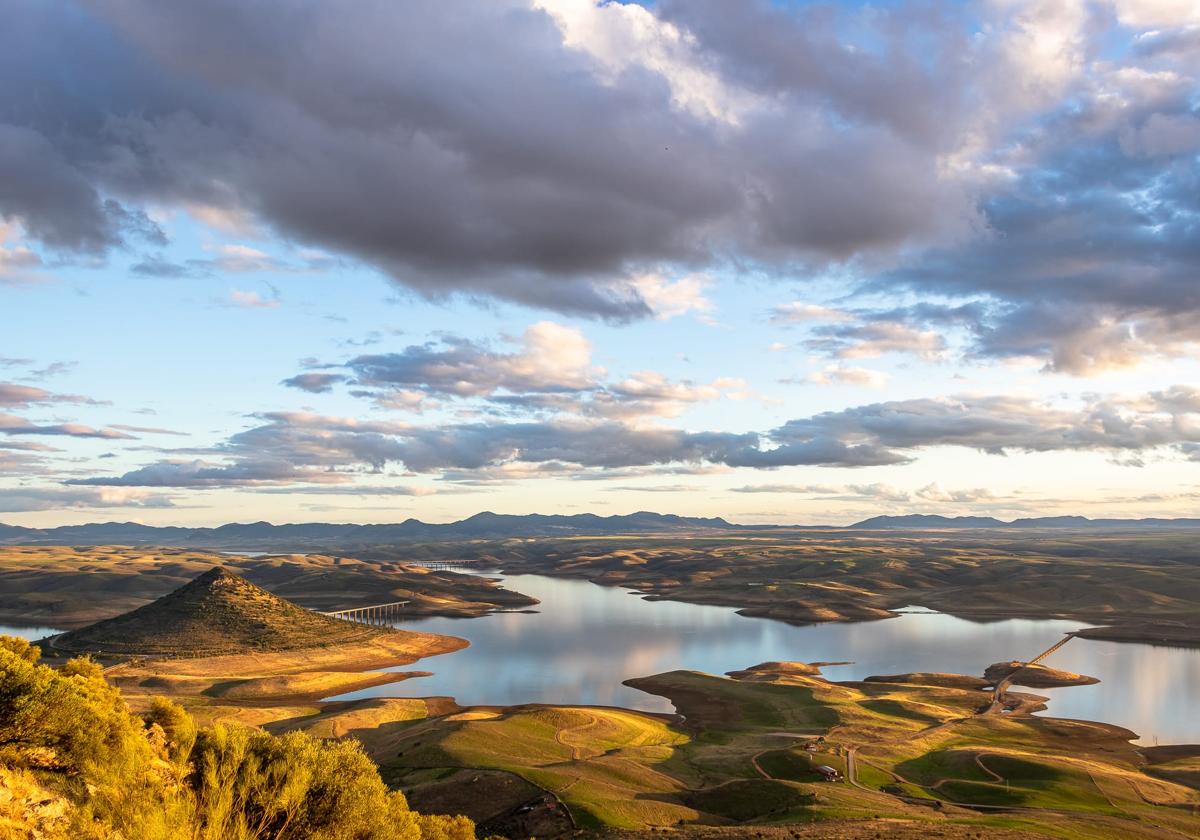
216, 613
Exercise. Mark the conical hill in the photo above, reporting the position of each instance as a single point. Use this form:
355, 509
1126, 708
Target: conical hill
217, 613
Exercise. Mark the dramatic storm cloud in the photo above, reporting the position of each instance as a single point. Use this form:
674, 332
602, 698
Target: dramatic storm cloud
429, 140
375, 250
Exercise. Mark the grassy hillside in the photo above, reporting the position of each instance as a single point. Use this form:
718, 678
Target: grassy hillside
744, 751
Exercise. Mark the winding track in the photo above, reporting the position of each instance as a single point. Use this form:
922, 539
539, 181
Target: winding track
994, 707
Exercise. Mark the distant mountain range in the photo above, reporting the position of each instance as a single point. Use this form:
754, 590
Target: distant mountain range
921, 521
264, 535
485, 525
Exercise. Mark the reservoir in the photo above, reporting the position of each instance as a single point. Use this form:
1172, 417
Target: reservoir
30, 633
586, 639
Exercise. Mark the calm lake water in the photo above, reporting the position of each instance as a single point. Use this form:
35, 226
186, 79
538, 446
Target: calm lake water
30, 633
586, 639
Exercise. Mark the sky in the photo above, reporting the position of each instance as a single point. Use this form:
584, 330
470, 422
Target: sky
778, 262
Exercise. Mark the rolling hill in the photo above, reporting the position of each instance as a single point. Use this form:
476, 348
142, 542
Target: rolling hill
216, 613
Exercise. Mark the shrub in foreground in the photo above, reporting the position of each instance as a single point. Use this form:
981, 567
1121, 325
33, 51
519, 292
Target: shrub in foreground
75, 762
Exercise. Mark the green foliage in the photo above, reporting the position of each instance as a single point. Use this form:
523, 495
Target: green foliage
75, 732
82, 666
67, 736
20, 648
252, 785
178, 728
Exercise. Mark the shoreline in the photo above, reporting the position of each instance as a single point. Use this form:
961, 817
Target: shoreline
285, 690
261, 688
1095, 628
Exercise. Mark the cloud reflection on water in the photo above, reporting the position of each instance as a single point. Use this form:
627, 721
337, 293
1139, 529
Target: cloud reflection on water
587, 639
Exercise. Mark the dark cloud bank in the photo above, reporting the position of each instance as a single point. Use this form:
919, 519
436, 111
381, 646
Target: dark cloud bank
464, 147
995, 171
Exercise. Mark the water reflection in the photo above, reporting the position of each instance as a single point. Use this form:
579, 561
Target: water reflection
586, 639
30, 633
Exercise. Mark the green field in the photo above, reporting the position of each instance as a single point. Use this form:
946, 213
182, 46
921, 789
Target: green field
741, 755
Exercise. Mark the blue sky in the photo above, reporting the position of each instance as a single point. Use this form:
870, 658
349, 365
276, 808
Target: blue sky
787, 264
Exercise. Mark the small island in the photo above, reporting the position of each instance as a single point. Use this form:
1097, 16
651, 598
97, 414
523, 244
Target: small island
1034, 676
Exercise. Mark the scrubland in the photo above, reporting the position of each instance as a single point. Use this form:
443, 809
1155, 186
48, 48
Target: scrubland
77, 764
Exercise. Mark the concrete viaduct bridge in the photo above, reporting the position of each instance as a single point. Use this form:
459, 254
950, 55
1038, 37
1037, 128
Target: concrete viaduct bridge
1002, 685
455, 565
373, 614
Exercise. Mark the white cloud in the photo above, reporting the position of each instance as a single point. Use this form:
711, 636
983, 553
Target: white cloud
838, 492
239, 259
551, 358
649, 392
12, 395
10, 424
1143, 14
252, 300
798, 312
871, 339
620, 36
296, 447
18, 264
672, 298
553, 354
229, 219
24, 499
934, 493
1046, 42
848, 375
403, 399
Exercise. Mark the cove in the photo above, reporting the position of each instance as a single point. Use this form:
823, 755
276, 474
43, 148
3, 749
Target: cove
586, 639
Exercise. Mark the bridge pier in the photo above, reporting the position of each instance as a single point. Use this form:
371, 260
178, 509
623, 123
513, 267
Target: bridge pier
375, 614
